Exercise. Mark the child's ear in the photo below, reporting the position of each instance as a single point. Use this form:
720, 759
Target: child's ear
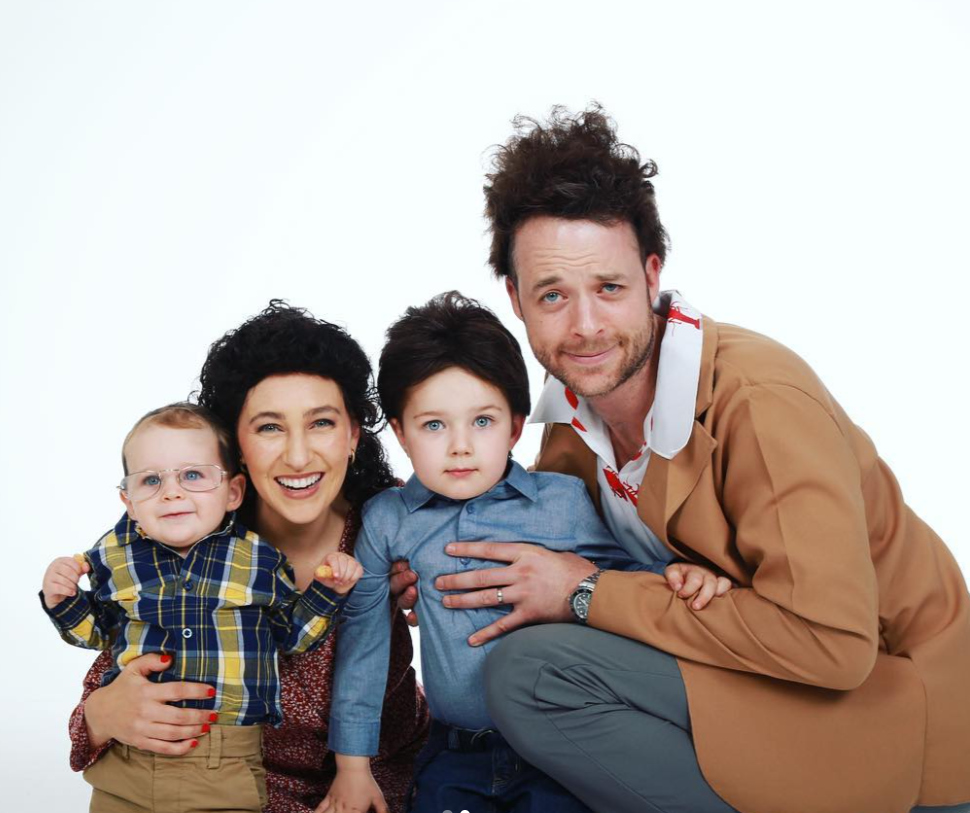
399, 434
518, 424
128, 505
237, 490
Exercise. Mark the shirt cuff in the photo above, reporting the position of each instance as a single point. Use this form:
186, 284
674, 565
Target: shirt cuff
322, 600
355, 739
83, 754
69, 613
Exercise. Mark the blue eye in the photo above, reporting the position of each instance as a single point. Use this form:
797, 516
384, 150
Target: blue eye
151, 480
434, 426
192, 475
552, 297
611, 287
483, 420
268, 428
324, 423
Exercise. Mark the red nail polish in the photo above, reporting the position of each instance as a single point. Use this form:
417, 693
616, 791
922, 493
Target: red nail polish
194, 744
205, 728
212, 692
166, 658
213, 717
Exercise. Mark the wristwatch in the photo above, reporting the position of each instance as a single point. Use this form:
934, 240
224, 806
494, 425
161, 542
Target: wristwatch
583, 595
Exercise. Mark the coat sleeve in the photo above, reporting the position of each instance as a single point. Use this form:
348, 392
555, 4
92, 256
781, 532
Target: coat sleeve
791, 490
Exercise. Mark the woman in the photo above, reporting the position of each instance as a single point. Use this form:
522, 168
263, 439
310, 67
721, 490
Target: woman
299, 393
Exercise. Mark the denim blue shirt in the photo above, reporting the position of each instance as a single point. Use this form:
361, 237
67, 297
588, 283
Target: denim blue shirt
411, 522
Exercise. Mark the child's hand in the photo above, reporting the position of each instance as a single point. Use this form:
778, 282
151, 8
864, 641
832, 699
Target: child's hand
339, 572
354, 789
695, 581
61, 578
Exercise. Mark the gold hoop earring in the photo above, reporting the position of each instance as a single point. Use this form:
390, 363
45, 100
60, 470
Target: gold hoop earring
353, 456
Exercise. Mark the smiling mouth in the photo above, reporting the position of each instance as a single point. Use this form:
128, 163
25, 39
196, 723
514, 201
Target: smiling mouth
176, 514
460, 472
589, 358
299, 483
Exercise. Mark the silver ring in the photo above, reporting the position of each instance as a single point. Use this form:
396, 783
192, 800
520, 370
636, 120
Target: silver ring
498, 593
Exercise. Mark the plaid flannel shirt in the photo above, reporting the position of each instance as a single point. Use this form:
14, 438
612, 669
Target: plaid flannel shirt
221, 612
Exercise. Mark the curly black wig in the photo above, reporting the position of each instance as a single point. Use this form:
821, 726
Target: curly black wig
572, 167
284, 339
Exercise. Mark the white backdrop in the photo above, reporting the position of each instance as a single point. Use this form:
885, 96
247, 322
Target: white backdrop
165, 169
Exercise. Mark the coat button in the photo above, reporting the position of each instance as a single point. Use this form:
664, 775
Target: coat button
187, 584
186, 633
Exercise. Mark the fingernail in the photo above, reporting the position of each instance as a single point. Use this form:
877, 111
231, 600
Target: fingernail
449, 548
212, 692
205, 728
473, 641
194, 744
446, 601
166, 658
213, 717
696, 605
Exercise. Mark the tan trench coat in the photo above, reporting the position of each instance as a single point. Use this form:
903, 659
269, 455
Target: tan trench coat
836, 677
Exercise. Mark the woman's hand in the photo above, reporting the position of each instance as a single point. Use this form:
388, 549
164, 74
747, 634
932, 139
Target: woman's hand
403, 588
133, 710
353, 789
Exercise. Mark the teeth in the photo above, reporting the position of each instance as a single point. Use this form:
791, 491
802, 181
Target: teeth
299, 482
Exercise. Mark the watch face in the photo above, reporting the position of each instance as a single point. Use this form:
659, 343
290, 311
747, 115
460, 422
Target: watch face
581, 604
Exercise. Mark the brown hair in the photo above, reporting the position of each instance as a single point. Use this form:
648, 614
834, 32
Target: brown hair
572, 167
183, 415
450, 330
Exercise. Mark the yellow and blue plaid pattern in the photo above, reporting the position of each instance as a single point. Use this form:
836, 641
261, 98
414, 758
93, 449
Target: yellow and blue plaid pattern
222, 612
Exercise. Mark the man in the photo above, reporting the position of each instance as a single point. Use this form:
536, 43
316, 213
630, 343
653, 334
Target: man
836, 677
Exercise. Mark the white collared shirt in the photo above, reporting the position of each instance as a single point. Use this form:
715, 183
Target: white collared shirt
666, 429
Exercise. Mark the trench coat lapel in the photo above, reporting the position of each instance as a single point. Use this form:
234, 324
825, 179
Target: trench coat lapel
668, 483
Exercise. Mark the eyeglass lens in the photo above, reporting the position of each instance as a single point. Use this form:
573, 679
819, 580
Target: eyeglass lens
144, 484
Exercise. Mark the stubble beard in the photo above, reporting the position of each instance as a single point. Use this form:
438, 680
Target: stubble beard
637, 347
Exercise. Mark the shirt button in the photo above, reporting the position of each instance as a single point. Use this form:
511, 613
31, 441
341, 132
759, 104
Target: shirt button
186, 633
471, 509
188, 584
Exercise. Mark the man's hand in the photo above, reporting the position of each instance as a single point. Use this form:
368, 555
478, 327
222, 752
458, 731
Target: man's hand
403, 587
538, 582
61, 579
689, 580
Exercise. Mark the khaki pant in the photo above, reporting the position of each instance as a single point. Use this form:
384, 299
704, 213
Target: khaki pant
224, 773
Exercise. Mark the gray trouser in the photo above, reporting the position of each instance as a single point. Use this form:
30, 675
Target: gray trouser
605, 716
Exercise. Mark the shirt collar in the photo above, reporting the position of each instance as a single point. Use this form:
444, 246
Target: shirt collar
415, 494
128, 530
671, 419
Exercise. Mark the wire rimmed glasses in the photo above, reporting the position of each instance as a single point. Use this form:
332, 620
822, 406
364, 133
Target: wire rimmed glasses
143, 485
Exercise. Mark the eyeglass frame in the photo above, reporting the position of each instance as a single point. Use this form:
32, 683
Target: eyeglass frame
223, 474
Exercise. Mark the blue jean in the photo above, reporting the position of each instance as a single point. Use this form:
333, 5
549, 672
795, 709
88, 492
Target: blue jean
485, 776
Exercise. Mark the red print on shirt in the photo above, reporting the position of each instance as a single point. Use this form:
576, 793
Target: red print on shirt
571, 397
619, 488
678, 316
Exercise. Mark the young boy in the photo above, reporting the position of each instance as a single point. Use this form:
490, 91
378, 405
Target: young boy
454, 386
179, 575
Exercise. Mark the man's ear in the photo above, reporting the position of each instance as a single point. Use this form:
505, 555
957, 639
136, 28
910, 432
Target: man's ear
513, 293
237, 490
518, 424
651, 269
399, 434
